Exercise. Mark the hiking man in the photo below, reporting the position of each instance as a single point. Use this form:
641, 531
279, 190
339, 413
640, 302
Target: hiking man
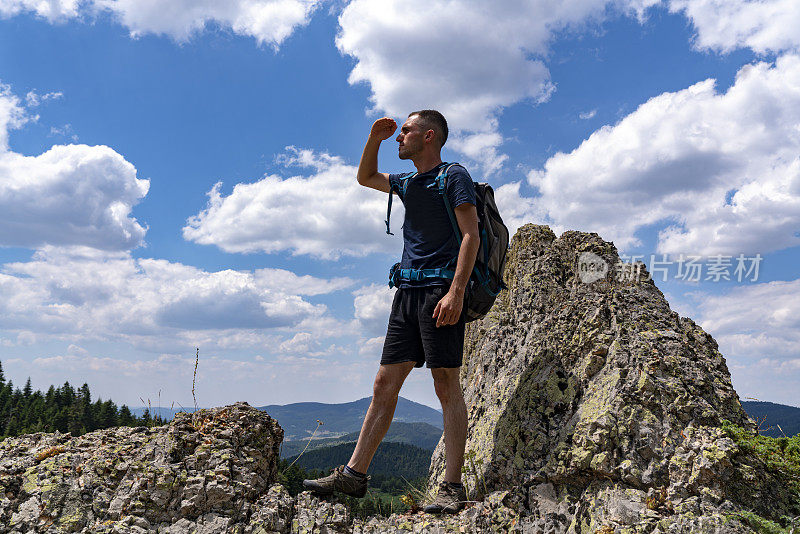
426, 324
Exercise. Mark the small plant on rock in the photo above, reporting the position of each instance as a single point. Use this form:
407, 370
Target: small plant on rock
470, 468
48, 453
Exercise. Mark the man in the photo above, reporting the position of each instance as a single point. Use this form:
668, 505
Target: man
426, 324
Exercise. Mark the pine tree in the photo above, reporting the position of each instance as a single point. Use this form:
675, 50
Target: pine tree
5, 405
84, 399
107, 415
67, 394
125, 416
12, 428
61, 419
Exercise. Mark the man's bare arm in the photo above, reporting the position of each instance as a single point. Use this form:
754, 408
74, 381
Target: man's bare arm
448, 310
368, 174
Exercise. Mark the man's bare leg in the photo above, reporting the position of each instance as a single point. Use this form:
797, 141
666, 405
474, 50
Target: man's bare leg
379, 416
448, 389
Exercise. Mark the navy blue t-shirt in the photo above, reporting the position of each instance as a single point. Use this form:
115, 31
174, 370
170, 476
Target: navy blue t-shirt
428, 238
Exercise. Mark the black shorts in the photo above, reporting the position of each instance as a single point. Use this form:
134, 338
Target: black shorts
412, 335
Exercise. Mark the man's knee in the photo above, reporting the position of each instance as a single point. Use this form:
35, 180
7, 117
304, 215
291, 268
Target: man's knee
446, 384
388, 382
383, 387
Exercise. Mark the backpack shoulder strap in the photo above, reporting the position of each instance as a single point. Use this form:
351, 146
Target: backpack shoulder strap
394, 187
441, 183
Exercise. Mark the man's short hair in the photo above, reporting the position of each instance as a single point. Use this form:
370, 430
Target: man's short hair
433, 120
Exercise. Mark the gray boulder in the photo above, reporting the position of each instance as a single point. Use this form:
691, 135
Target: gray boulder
599, 406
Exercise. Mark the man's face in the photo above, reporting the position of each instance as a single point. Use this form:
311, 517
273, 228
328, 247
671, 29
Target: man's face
411, 138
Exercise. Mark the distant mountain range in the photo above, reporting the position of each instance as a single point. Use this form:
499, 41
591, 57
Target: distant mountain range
788, 417
299, 420
421, 435
340, 421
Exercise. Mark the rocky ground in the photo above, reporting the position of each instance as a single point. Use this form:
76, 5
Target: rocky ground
593, 409
211, 473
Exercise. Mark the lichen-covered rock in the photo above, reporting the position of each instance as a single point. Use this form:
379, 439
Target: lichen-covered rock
498, 512
594, 398
200, 473
319, 516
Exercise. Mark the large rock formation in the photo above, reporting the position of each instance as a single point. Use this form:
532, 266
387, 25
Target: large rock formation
207, 471
599, 405
593, 409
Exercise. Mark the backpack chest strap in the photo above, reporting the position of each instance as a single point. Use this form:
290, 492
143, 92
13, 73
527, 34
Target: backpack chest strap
396, 275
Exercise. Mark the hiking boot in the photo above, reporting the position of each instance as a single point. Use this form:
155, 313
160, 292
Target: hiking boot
449, 499
341, 481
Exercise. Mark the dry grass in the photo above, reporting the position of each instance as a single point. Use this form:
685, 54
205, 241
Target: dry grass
194, 376
319, 424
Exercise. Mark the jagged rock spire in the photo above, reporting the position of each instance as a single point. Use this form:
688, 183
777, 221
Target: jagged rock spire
588, 395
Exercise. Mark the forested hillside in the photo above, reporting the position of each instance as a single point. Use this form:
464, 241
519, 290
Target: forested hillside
420, 434
66, 409
771, 416
393, 459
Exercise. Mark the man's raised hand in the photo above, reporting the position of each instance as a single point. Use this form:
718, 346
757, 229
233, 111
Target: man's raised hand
383, 128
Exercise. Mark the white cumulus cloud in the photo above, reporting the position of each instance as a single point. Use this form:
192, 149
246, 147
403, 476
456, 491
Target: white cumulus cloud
517, 209
82, 293
33, 99
758, 330
12, 115
756, 321
52, 10
721, 170
325, 214
465, 58
372, 305
724, 25
270, 22
69, 195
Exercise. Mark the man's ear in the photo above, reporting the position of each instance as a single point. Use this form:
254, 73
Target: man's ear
430, 135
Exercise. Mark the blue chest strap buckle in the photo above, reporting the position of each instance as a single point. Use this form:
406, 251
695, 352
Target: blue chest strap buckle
396, 275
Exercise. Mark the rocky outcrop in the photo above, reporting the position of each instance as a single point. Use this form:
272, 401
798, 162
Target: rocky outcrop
600, 406
201, 473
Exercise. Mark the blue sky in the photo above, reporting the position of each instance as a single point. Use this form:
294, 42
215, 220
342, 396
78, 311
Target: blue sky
173, 178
